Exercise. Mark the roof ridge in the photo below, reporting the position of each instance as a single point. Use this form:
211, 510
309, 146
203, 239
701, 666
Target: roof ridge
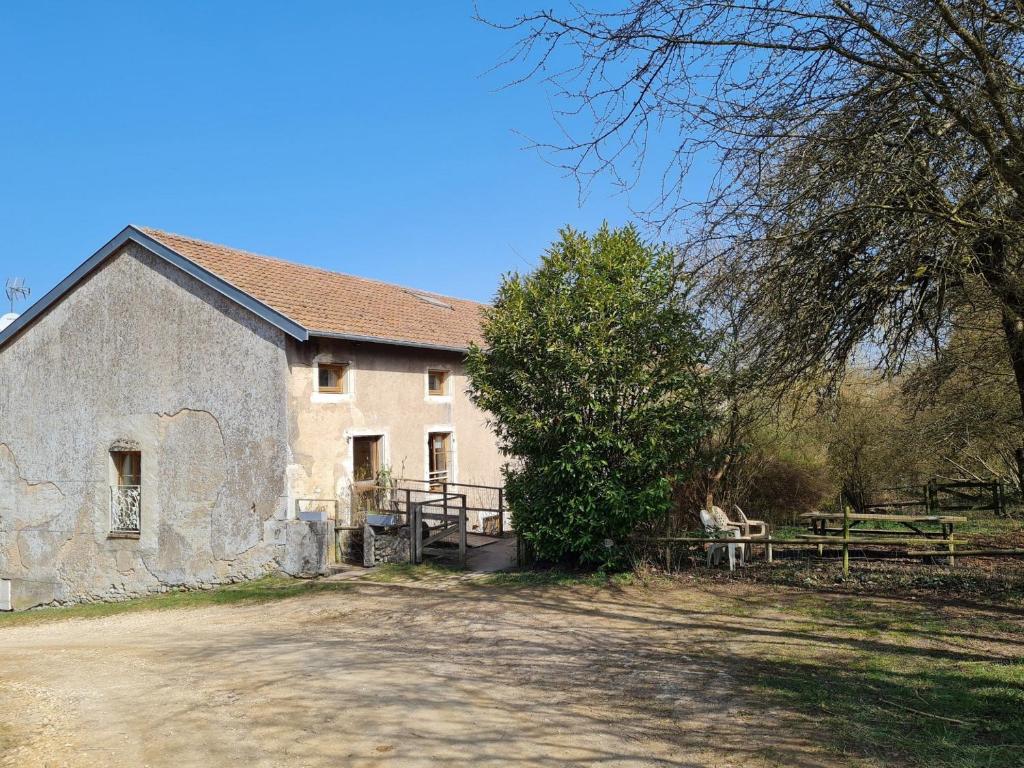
153, 231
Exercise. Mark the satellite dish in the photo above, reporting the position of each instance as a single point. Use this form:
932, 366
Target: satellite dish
17, 290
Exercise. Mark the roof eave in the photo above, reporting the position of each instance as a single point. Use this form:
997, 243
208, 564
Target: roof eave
133, 234
389, 342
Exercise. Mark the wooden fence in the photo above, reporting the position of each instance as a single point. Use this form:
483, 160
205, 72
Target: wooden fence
938, 498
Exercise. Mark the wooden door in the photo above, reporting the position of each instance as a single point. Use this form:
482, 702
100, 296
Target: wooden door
365, 469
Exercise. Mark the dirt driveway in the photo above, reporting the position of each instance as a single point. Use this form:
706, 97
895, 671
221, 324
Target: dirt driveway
444, 671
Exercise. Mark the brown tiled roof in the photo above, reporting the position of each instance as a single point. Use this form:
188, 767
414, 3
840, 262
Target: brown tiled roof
333, 303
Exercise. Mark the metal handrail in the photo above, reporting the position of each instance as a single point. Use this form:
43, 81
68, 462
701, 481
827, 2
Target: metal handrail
498, 511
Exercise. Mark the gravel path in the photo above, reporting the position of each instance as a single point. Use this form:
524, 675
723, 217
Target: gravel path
427, 673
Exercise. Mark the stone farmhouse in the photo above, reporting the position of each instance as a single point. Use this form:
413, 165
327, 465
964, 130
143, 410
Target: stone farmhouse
167, 409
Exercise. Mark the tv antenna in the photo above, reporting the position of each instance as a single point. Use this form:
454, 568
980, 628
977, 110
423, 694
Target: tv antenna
17, 290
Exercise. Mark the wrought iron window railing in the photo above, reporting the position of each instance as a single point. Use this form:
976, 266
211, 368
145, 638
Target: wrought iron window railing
125, 509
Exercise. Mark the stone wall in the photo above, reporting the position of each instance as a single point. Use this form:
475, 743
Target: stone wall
142, 354
306, 549
385, 547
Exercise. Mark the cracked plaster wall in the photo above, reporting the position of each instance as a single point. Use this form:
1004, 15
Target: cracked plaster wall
141, 352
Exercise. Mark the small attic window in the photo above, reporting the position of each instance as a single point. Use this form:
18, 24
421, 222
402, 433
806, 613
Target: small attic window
437, 382
432, 300
330, 378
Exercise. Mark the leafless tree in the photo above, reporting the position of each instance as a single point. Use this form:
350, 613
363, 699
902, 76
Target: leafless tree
963, 406
871, 156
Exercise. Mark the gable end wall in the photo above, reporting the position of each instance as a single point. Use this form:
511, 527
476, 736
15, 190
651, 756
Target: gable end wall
141, 353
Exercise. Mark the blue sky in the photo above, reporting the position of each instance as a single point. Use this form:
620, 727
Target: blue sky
361, 137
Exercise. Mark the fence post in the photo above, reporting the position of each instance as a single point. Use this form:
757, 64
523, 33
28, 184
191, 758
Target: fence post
413, 535
501, 512
416, 540
947, 533
846, 540
463, 521
411, 523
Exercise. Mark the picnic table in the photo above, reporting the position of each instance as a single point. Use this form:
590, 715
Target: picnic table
851, 529
819, 522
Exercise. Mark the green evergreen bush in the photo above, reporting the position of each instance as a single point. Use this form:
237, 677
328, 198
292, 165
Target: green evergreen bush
592, 370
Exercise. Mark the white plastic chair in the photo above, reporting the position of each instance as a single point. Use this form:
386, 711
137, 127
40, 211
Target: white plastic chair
749, 529
749, 525
713, 527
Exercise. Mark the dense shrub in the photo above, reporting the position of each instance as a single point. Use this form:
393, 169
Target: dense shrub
781, 488
591, 372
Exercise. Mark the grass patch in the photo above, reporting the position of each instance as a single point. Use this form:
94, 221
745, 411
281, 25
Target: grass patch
395, 572
256, 591
886, 707
557, 578
921, 619
896, 691
993, 525
283, 588
1001, 581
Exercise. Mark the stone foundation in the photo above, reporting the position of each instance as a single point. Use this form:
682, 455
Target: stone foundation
301, 551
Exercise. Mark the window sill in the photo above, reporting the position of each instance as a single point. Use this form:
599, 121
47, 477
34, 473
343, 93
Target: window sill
325, 397
124, 535
440, 399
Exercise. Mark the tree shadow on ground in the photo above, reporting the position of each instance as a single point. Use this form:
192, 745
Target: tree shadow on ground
453, 671
949, 716
548, 676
